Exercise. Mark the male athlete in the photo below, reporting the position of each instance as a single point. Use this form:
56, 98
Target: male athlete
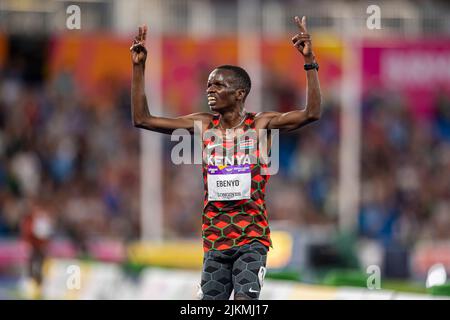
235, 230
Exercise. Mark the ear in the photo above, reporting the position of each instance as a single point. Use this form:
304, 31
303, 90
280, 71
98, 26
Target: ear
240, 94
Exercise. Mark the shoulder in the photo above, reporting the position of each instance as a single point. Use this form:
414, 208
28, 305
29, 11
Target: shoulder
203, 116
266, 115
201, 119
262, 119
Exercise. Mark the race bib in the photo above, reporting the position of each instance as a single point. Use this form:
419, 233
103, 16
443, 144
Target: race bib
227, 183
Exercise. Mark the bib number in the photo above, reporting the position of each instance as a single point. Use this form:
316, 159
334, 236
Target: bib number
229, 182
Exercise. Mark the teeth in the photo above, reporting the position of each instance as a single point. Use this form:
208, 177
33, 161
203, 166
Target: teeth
211, 99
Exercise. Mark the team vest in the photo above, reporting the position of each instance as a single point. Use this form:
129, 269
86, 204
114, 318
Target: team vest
234, 211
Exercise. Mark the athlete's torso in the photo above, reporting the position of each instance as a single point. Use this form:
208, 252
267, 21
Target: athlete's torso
234, 211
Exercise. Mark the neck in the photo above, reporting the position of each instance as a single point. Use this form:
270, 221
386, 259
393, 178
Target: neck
232, 118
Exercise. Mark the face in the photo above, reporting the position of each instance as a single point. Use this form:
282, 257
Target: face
221, 90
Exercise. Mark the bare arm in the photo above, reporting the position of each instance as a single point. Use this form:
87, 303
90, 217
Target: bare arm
295, 119
142, 118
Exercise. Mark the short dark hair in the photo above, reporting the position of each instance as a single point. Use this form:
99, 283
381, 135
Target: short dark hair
242, 78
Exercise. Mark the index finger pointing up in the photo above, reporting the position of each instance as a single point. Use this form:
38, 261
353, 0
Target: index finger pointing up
144, 32
304, 23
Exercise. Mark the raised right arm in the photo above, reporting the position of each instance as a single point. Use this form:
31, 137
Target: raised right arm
142, 118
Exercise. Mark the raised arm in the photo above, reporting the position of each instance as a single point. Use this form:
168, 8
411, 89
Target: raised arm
142, 118
295, 119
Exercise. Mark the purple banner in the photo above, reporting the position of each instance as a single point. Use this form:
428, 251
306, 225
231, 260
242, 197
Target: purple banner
245, 168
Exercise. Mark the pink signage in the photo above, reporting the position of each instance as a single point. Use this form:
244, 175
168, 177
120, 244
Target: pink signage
417, 68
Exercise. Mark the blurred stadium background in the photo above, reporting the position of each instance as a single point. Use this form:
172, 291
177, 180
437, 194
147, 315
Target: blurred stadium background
367, 185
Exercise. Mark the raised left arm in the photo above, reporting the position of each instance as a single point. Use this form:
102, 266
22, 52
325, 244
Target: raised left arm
295, 119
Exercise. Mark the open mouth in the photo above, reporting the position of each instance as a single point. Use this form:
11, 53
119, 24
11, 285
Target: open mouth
212, 100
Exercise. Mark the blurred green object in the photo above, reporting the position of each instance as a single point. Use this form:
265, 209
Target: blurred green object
351, 278
440, 290
403, 286
285, 274
345, 243
357, 278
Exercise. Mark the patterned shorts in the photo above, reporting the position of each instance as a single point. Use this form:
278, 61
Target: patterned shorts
240, 268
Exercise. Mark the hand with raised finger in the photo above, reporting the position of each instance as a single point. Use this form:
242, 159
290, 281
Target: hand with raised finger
302, 40
138, 50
